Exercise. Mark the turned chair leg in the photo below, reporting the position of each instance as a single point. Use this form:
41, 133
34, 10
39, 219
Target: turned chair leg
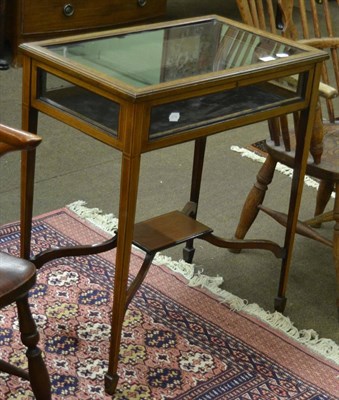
323, 196
255, 198
38, 375
336, 240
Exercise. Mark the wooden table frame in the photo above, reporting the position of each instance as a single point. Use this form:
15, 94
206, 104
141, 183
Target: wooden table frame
133, 142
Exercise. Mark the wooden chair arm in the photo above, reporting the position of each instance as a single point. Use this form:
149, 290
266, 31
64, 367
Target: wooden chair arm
12, 139
321, 43
325, 91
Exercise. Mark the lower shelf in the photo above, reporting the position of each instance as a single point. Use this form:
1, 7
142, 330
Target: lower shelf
167, 230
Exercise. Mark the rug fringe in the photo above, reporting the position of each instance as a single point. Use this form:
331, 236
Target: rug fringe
280, 167
308, 337
106, 222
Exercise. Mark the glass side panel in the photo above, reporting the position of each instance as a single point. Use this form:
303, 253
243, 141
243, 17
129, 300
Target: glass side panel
181, 116
161, 55
79, 102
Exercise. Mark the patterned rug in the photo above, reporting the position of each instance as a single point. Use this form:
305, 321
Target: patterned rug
178, 342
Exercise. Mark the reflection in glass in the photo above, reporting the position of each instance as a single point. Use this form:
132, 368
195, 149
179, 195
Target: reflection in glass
161, 55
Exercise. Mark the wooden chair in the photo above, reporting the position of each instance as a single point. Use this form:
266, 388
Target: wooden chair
296, 22
17, 276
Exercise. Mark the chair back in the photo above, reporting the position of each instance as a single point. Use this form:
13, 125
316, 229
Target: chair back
255, 13
310, 23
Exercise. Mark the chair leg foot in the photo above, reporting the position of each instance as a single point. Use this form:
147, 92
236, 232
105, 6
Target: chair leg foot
280, 304
111, 382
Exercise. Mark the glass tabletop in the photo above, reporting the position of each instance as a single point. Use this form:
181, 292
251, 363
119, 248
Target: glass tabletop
150, 57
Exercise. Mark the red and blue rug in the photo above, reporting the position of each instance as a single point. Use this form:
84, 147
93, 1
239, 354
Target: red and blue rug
178, 342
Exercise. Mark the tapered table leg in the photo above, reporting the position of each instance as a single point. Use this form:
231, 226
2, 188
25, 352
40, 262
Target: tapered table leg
198, 163
305, 127
30, 124
128, 199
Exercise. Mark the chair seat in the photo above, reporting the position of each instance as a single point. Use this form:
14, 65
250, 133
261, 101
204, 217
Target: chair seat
17, 276
329, 166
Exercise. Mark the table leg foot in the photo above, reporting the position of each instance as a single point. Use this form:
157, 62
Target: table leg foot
3, 65
235, 251
280, 304
111, 382
188, 254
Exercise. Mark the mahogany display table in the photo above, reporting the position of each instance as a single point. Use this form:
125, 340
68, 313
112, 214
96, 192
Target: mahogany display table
145, 88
